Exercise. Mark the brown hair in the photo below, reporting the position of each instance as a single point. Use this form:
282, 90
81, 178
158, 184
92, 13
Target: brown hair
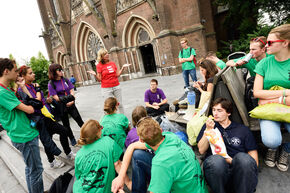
154, 80
89, 132
210, 68
52, 75
6, 63
210, 53
110, 105
23, 70
138, 113
282, 32
262, 40
101, 53
225, 103
183, 39
149, 131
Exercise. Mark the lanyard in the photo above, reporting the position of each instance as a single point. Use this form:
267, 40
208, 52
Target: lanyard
31, 88
63, 87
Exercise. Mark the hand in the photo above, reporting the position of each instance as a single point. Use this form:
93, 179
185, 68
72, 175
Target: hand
92, 72
156, 107
240, 62
196, 84
126, 65
231, 63
20, 82
117, 184
70, 103
229, 160
49, 100
209, 124
155, 104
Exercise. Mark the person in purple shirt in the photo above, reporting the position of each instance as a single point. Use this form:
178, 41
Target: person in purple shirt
59, 86
155, 100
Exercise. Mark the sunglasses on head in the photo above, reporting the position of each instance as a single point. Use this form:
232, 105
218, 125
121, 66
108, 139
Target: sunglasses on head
258, 40
270, 42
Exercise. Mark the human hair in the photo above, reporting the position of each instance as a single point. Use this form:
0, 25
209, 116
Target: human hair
110, 105
210, 53
101, 53
89, 132
138, 113
154, 80
225, 103
6, 63
149, 131
23, 70
52, 75
184, 39
262, 40
282, 32
210, 68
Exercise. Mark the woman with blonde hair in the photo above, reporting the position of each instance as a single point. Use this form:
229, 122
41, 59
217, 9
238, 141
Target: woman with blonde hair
107, 74
96, 161
274, 71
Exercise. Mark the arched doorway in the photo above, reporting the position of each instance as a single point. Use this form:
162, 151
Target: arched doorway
148, 58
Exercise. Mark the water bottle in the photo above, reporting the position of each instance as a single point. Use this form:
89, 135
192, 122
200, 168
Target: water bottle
191, 98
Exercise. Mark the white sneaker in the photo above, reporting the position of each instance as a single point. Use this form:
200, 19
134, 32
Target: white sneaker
71, 156
56, 164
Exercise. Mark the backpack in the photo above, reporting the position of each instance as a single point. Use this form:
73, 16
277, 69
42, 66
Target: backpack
250, 101
62, 183
194, 59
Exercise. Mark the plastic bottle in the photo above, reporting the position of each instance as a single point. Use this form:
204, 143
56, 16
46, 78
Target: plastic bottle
191, 98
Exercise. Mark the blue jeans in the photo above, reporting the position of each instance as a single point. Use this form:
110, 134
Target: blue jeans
271, 134
33, 169
239, 177
141, 166
186, 74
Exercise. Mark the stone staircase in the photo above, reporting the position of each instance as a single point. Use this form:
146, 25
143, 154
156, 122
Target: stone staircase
12, 167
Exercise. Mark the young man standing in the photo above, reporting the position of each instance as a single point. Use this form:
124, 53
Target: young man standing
155, 100
174, 167
17, 125
186, 58
239, 173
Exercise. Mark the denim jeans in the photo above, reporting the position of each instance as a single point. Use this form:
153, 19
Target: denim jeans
33, 169
141, 166
271, 134
239, 177
186, 74
114, 92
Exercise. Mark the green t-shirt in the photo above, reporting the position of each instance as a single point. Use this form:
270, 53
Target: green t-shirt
186, 54
274, 72
94, 166
175, 168
221, 64
115, 126
15, 121
251, 65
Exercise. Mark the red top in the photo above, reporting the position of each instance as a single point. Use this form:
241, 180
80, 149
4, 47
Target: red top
108, 73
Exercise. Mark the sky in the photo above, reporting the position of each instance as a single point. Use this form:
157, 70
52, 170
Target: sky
21, 26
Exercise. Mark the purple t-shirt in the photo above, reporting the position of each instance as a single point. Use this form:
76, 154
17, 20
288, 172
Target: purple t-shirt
61, 87
131, 137
154, 97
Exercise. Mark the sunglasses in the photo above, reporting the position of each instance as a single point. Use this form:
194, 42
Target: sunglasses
60, 70
258, 40
270, 42
142, 119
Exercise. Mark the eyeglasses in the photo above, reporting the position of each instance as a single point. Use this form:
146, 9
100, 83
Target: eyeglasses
142, 119
258, 40
270, 42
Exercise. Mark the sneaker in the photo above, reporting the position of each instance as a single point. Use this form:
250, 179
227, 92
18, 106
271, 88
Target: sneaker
73, 141
71, 156
56, 164
270, 157
282, 163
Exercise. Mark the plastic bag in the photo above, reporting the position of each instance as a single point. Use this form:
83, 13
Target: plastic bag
216, 142
193, 128
166, 125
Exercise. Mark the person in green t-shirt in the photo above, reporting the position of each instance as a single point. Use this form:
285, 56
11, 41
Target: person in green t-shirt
115, 125
258, 51
275, 71
214, 59
96, 161
174, 169
187, 59
17, 125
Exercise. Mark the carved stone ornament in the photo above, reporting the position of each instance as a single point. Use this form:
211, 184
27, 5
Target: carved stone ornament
54, 39
125, 4
143, 36
77, 7
93, 46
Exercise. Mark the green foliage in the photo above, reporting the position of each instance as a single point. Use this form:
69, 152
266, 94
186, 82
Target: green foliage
40, 66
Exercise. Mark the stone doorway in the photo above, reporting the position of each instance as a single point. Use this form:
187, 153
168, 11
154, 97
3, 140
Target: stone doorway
148, 58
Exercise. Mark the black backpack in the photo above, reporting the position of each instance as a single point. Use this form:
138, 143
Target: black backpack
63, 183
194, 59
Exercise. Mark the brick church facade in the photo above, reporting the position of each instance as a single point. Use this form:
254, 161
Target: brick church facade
144, 33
